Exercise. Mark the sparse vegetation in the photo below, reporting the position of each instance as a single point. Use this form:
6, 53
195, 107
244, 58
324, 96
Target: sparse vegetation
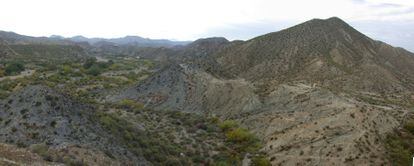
241, 139
228, 125
130, 105
308, 84
93, 67
42, 150
260, 161
2, 73
81, 79
149, 143
400, 144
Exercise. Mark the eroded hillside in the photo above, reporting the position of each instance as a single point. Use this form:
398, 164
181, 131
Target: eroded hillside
319, 93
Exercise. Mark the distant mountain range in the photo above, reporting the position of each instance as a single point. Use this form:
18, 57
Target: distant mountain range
14, 38
130, 40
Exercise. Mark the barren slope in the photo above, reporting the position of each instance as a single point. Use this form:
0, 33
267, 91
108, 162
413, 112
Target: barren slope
317, 93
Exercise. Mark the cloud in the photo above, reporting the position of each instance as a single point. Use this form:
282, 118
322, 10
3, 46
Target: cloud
387, 5
359, 1
396, 2
397, 33
376, 4
401, 12
398, 10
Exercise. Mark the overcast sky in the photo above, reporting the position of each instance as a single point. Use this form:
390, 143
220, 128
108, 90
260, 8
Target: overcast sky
391, 21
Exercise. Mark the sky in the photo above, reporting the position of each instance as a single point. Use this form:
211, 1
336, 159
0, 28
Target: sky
391, 21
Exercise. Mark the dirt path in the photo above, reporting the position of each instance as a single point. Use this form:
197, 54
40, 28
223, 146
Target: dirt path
21, 75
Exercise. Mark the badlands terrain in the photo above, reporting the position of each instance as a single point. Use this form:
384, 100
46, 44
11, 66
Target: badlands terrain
318, 93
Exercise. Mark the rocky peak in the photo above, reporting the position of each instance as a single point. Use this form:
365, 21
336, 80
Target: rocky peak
321, 32
335, 21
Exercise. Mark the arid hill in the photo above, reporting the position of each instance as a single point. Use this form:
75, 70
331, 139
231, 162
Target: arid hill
317, 93
329, 53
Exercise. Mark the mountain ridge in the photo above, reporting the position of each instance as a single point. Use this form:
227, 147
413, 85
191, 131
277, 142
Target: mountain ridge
15, 38
331, 46
129, 40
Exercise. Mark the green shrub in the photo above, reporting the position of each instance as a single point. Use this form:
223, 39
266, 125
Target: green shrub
239, 135
260, 161
37, 104
66, 69
53, 124
2, 73
39, 148
228, 124
152, 145
24, 111
95, 70
109, 122
42, 150
172, 162
75, 163
242, 139
197, 159
21, 144
410, 126
89, 63
130, 104
398, 152
14, 68
399, 144
160, 149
